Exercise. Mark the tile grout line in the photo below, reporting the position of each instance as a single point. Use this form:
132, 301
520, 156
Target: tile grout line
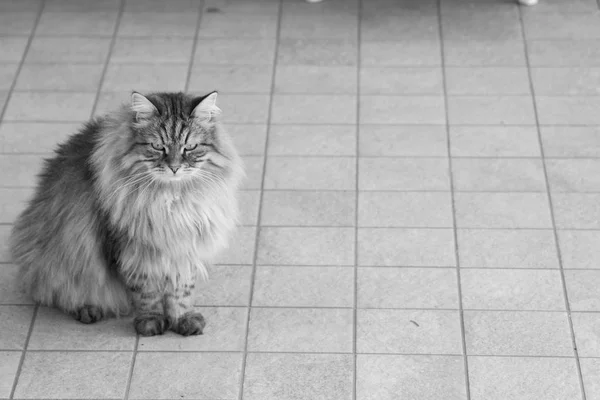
356, 208
24, 352
131, 369
31, 36
111, 47
551, 206
260, 201
194, 45
2, 112
453, 200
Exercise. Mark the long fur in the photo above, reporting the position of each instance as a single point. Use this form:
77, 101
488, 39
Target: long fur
100, 218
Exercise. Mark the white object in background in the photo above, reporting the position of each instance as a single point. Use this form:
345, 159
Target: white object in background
528, 2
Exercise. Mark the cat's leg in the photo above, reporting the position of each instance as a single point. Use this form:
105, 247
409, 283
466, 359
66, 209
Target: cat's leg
150, 319
179, 308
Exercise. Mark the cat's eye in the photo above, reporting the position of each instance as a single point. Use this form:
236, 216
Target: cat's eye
157, 146
190, 147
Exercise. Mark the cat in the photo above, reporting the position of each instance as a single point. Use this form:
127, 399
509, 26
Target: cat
130, 211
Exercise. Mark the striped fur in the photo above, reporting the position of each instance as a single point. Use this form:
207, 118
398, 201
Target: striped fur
110, 218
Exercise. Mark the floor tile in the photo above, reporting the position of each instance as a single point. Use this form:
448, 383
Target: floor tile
576, 210
587, 327
81, 5
381, 26
407, 288
17, 23
318, 26
499, 53
12, 202
298, 377
249, 203
241, 247
494, 141
304, 287
12, 48
504, 248
231, 79
565, 81
403, 174
10, 290
573, 175
511, 289
306, 173
68, 49
300, 330
74, 375
487, 81
481, 26
55, 330
413, 53
146, 24
9, 361
502, 210
387, 377
22, 173
402, 140
397, 209
4, 239
225, 331
195, 375
418, 81
568, 110
562, 25
499, 378
564, 53
237, 25
571, 6
101, 23
491, 110
49, 106
245, 108
15, 322
249, 139
590, 369
306, 208
406, 247
228, 285
402, 110
498, 174
257, 7
579, 249
3, 98
8, 71
571, 141
320, 246
582, 288
110, 101
145, 78
161, 6
408, 332
316, 79
154, 50
20, 6
312, 140
71, 77
334, 52
254, 172
319, 109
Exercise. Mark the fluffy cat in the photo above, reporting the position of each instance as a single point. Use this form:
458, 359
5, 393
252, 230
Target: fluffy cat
130, 211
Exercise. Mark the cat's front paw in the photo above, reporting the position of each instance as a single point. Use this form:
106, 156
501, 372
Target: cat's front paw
150, 324
89, 314
189, 324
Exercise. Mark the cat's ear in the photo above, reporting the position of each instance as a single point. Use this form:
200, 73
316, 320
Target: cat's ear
142, 107
205, 108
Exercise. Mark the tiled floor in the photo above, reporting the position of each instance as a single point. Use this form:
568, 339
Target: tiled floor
421, 215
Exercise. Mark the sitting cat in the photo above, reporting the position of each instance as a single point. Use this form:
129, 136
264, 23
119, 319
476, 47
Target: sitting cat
130, 211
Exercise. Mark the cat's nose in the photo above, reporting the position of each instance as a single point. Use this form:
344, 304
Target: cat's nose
174, 169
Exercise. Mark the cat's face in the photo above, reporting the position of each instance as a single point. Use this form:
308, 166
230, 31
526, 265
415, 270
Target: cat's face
176, 138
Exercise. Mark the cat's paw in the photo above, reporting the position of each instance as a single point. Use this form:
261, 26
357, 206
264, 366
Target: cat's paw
150, 324
89, 314
189, 324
